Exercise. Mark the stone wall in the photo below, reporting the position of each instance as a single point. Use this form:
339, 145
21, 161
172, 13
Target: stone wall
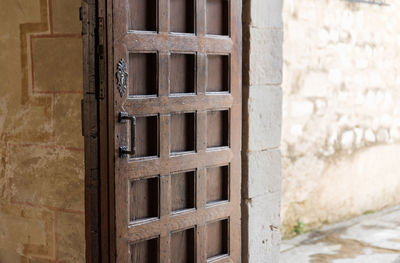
262, 104
41, 147
341, 111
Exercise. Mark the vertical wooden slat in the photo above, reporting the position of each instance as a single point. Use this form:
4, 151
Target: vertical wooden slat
201, 131
90, 132
163, 16
201, 73
201, 204
201, 255
165, 211
235, 125
201, 17
165, 120
163, 74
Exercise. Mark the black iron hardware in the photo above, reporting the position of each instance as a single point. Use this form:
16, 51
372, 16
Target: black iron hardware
122, 77
124, 150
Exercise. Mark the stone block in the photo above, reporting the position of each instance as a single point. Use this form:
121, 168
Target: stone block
70, 230
264, 209
263, 175
301, 108
266, 13
262, 225
265, 56
315, 85
57, 64
264, 117
45, 175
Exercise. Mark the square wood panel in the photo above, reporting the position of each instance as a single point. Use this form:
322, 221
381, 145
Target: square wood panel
182, 15
183, 246
146, 251
217, 238
144, 199
182, 73
217, 184
142, 74
217, 73
183, 187
218, 17
183, 132
146, 136
217, 128
143, 15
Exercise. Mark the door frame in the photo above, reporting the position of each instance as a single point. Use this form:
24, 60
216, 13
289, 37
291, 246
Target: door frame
97, 123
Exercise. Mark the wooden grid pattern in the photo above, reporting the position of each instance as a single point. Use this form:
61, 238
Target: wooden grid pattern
165, 164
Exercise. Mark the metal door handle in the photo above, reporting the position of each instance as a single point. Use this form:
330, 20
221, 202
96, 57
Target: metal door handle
123, 150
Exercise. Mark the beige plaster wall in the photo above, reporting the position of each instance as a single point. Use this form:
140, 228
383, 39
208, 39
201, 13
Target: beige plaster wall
341, 110
41, 148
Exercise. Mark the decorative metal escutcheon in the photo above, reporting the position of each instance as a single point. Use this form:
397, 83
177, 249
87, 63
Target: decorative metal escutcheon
122, 77
124, 150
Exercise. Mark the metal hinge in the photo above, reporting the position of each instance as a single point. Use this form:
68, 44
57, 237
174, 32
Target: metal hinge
102, 61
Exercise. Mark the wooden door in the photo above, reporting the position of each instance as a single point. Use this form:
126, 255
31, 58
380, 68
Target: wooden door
177, 130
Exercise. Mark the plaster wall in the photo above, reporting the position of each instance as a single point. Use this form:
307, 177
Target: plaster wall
41, 147
341, 116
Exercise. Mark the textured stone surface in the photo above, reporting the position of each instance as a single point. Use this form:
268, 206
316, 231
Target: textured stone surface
264, 173
341, 116
265, 56
263, 228
41, 149
262, 113
266, 14
264, 117
373, 178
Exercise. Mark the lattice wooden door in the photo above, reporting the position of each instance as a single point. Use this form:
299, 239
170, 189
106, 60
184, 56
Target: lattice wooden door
177, 105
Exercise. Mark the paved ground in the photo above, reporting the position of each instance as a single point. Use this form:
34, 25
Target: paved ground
373, 238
